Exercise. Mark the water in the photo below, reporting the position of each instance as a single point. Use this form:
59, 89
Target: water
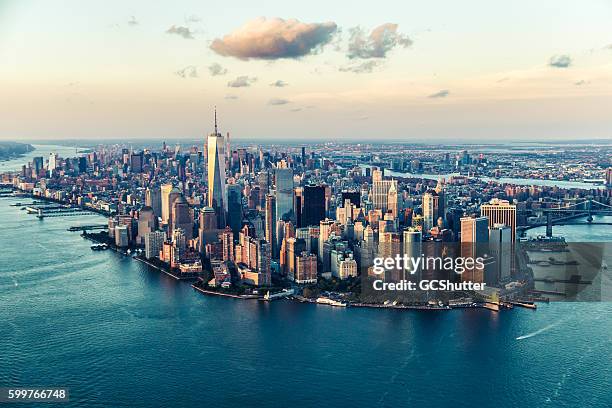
40, 151
501, 180
582, 233
121, 335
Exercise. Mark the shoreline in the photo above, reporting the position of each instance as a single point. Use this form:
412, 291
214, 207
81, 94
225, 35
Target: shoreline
257, 297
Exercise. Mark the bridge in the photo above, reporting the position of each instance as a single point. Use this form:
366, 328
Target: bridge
569, 214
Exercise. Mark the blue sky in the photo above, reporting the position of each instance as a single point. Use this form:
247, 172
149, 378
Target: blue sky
477, 70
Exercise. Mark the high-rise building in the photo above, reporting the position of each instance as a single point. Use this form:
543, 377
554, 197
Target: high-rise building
313, 205
270, 227
147, 222
475, 230
182, 217
430, 210
609, 177
136, 162
154, 242
325, 227
305, 268
216, 175
500, 212
353, 196
122, 237
169, 193
380, 195
234, 207
153, 200
412, 246
283, 180
52, 161
500, 244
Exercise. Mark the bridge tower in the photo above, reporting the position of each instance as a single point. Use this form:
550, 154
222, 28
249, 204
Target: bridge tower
589, 205
549, 224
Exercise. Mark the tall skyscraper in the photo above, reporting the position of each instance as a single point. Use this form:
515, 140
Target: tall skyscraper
216, 174
380, 194
234, 207
430, 210
147, 222
270, 227
153, 242
411, 246
313, 205
169, 193
475, 230
153, 200
500, 212
52, 161
182, 217
283, 179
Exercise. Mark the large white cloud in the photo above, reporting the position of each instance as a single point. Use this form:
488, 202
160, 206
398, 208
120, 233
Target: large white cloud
274, 38
376, 44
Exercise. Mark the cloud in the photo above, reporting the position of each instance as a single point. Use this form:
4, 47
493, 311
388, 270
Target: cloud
581, 82
364, 67
279, 84
192, 19
295, 110
274, 38
231, 97
608, 47
184, 32
216, 69
381, 40
242, 81
560, 61
189, 71
132, 22
278, 101
440, 94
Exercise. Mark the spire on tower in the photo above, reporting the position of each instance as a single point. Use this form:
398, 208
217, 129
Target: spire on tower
216, 121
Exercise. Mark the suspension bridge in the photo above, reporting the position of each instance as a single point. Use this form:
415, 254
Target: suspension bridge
570, 215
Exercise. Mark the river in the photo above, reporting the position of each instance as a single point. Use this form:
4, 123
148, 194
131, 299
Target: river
121, 335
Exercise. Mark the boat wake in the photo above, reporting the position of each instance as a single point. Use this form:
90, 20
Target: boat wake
540, 331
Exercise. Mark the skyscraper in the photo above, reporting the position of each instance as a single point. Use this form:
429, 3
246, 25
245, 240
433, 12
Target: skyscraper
182, 217
153, 200
270, 227
313, 205
216, 174
500, 212
430, 210
475, 230
380, 194
168, 194
234, 207
146, 223
283, 179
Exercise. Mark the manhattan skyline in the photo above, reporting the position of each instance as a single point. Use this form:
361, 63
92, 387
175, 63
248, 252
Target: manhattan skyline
393, 71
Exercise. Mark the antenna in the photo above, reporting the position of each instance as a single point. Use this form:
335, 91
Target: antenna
216, 120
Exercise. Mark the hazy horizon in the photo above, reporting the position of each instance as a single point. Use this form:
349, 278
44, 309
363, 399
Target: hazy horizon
398, 71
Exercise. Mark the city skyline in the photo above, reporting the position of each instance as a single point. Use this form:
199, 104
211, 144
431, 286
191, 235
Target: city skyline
115, 71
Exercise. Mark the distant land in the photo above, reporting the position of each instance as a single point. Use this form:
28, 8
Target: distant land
9, 150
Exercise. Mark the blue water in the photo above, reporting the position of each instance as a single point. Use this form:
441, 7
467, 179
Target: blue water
120, 335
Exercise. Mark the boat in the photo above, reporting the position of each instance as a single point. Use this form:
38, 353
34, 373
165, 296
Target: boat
331, 302
99, 247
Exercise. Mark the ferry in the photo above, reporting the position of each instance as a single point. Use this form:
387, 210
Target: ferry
331, 302
278, 295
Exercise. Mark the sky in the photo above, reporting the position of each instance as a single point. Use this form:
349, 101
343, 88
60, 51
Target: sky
326, 70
